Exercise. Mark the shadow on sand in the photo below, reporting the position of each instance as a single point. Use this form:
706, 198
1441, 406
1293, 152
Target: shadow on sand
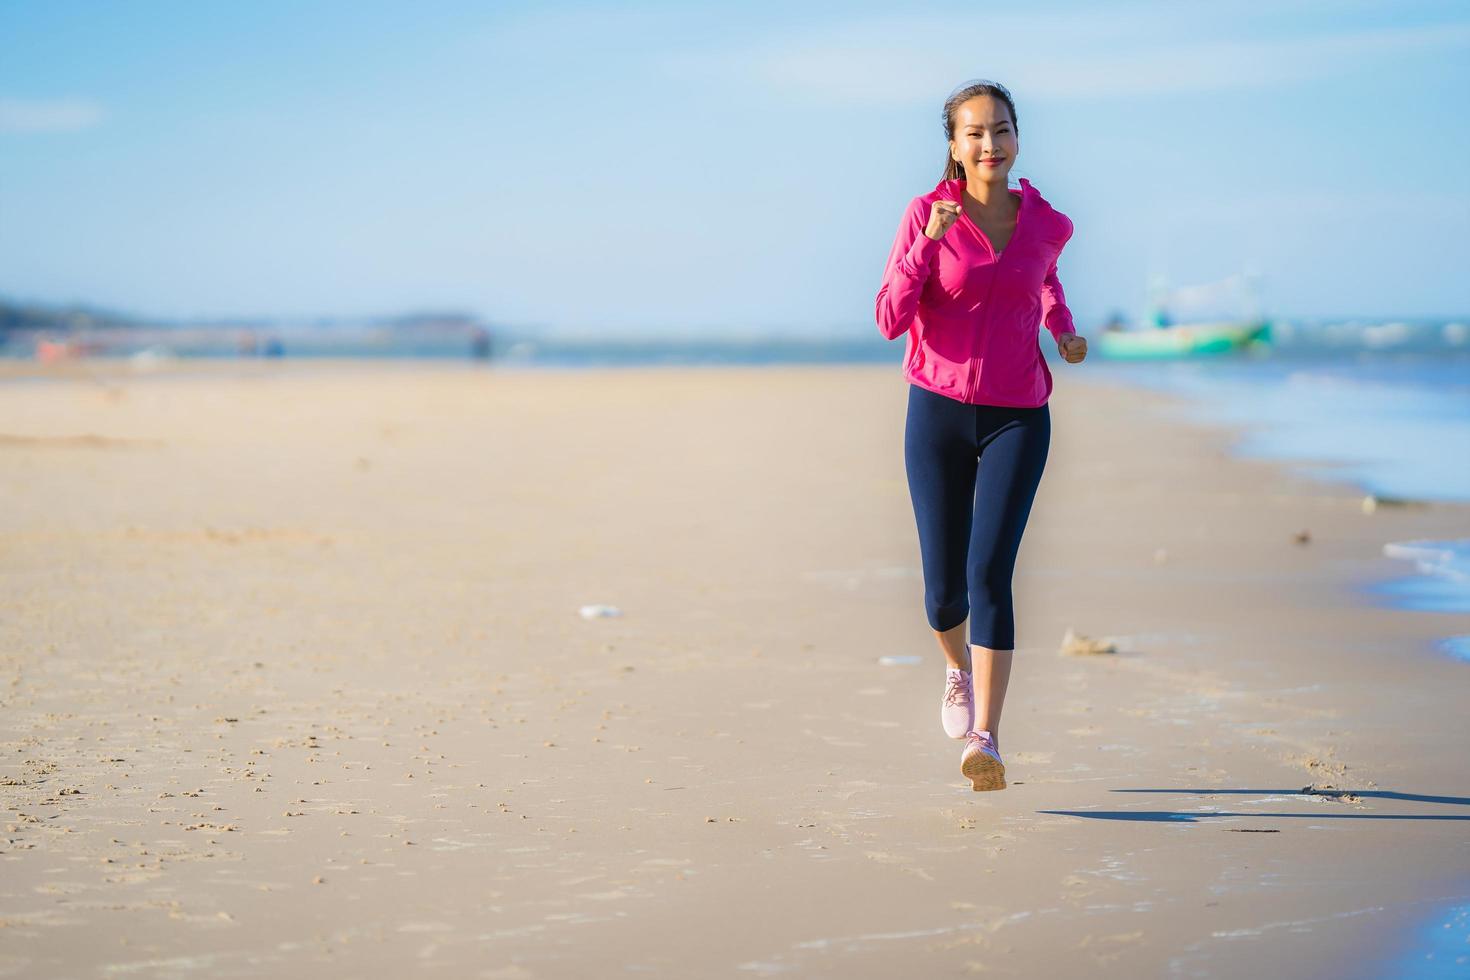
1340, 795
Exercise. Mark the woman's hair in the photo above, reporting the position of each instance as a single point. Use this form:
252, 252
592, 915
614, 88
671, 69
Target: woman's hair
957, 98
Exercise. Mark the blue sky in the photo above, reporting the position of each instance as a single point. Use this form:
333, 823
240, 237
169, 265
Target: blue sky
677, 166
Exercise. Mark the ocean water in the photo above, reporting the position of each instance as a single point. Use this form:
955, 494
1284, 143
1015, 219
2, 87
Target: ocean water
1393, 426
1439, 582
1439, 950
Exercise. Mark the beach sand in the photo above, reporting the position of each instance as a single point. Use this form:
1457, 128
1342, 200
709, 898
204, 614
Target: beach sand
294, 682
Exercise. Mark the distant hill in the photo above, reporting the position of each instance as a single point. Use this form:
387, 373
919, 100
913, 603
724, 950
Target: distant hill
31, 316
15, 315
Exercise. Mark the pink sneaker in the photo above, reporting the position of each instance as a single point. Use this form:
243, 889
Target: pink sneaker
981, 762
957, 712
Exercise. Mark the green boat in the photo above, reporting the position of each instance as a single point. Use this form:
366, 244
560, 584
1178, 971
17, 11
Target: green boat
1184, 339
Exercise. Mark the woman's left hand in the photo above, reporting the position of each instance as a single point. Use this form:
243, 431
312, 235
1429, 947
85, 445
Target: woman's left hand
1072, 347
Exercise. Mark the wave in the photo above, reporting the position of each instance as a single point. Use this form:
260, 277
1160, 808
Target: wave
1441, 582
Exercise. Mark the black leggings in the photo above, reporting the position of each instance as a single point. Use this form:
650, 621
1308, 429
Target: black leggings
969, 529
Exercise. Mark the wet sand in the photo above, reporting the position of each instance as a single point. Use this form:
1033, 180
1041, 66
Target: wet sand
293, 681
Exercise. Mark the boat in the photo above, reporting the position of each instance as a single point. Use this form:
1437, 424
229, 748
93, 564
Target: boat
1223, 317
1184, 339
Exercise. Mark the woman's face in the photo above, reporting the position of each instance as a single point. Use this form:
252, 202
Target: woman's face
984, 139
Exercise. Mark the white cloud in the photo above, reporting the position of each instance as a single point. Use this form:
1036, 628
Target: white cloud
1097, 53
49, 115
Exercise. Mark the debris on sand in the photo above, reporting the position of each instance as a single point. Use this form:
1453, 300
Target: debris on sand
1075, 644
1374, 501
1331, 792
600, 612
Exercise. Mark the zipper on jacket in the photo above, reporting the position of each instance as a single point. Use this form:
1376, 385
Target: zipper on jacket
995, 270
984, 315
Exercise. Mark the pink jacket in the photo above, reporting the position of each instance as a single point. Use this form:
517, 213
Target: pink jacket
972, 315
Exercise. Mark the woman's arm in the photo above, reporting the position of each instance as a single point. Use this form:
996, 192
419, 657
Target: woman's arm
910, 262
1054, 311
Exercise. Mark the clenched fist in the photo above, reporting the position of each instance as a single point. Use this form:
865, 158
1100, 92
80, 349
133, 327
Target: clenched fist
942, 214
1072, 347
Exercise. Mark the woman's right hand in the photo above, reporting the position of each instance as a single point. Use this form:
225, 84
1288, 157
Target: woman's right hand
942, 214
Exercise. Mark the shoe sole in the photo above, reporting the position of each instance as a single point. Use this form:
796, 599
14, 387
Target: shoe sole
984, 772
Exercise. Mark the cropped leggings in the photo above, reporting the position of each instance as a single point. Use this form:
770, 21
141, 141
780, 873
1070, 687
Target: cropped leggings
973, 471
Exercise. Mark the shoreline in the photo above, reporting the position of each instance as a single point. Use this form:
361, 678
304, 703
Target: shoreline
1316, 471
431, 575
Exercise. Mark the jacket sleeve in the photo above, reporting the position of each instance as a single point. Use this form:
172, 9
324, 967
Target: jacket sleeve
1054, 311
910, 263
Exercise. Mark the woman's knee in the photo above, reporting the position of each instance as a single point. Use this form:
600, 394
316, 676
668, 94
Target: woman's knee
946, 612
991, 577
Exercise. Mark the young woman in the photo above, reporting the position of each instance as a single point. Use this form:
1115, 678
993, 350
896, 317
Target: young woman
971, 276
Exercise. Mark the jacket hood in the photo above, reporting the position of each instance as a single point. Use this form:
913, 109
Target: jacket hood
950, 190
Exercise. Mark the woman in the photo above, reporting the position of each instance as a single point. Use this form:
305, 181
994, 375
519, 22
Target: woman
972, 273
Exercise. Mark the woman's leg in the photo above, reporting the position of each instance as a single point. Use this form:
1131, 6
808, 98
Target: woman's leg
1013, 450
992, 675
939, 457
952, 644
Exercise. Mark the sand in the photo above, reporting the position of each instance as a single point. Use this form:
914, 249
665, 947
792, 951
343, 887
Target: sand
294, 681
